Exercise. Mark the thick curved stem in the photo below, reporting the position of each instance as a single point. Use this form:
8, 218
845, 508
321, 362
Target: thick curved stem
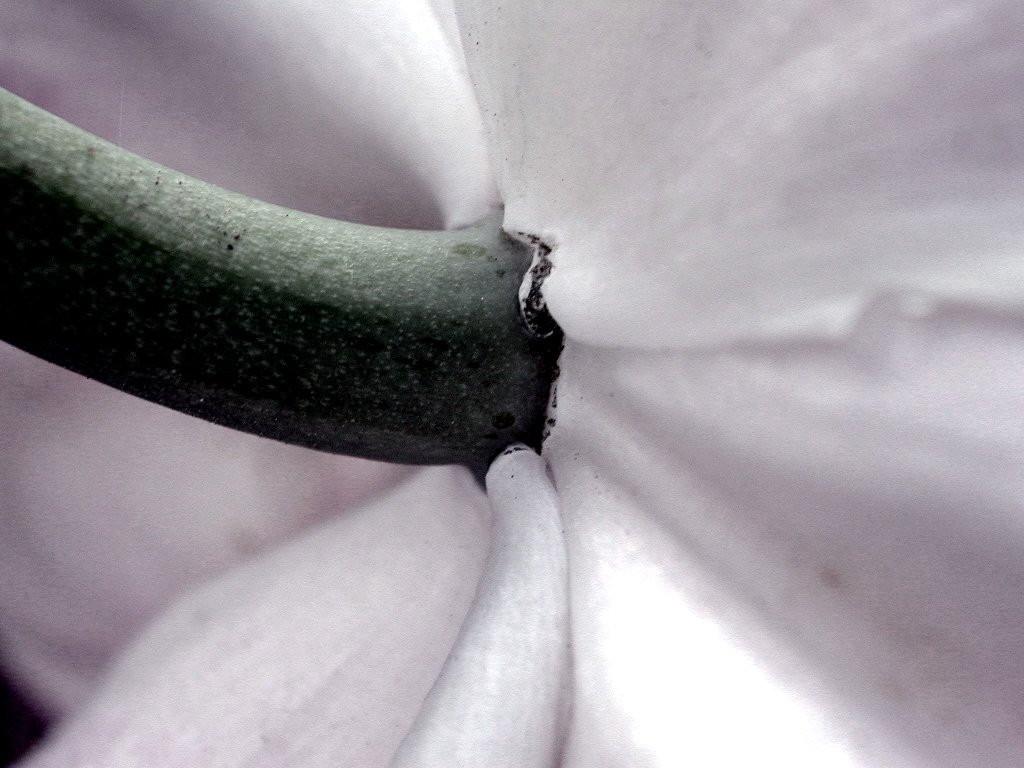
399, 345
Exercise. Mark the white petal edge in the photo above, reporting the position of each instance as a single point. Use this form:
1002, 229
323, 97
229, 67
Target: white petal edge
502, 696
360, 111
112, 506
317, 654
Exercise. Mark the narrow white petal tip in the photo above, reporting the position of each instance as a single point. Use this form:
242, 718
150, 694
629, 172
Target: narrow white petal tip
501, 698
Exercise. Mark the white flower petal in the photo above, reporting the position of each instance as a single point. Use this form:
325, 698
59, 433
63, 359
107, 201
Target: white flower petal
361, 111
809, 553
318, 654
712, 171
502, 696
111, 506
793, 551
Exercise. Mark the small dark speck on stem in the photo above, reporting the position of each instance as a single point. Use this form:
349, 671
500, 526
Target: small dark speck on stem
503, 420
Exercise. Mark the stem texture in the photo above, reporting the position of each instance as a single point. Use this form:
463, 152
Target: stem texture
399, 345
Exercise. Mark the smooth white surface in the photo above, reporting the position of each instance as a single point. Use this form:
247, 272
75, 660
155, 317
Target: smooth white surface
788, 259
111, 506
811, 553
503, 695
317, 654
360, 111
713, 171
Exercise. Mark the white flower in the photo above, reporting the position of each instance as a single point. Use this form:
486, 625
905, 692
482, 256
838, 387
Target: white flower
788, 442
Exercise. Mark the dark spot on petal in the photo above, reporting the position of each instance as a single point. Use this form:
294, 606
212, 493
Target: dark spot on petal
831, 578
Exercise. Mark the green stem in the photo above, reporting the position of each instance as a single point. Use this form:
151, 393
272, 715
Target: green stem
398, 345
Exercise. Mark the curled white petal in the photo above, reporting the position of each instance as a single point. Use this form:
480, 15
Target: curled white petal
501, 699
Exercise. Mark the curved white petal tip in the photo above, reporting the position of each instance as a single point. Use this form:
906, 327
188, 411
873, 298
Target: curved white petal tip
501, 698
